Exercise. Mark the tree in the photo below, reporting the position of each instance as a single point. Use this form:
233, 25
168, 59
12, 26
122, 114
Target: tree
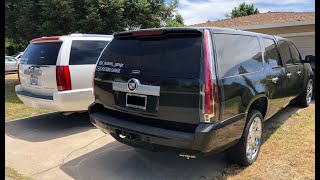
176, 22
28, 19
242, 10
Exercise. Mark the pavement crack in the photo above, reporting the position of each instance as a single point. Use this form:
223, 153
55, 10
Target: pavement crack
63, 160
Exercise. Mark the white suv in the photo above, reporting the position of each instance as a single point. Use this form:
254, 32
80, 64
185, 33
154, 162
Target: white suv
56, 72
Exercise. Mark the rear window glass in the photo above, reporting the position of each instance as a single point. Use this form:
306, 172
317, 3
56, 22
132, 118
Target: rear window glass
285, 52
41, 54
294, 53
171, 55
86, 52
271, 55
237, 54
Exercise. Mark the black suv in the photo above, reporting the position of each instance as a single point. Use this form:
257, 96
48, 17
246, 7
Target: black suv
196, 90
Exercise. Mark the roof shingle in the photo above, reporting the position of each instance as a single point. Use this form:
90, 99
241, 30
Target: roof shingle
261, 18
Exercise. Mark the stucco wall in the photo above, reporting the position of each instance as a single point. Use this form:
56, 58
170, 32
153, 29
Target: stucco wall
305, 44
285, 30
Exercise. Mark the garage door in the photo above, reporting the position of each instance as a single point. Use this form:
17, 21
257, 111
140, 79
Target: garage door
305, 44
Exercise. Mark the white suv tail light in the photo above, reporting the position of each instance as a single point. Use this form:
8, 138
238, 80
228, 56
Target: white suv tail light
63, 78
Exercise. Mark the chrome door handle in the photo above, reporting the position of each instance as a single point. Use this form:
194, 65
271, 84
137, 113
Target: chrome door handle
299, 72
275, 79
289, 75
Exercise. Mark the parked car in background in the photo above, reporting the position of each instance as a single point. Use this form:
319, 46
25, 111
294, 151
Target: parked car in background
55, 73
18, 56
11, 64
196, 90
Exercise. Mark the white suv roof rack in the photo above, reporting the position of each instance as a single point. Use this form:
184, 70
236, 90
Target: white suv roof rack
90, 35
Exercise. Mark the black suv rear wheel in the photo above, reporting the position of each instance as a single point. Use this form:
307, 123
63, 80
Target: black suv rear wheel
248, 148
304, 99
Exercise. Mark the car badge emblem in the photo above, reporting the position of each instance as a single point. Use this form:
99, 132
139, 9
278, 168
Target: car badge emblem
133, 84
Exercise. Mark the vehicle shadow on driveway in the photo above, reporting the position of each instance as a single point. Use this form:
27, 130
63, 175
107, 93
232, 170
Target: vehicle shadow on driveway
48, 126
119, 161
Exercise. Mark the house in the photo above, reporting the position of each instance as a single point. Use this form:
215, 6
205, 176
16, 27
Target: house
299, 27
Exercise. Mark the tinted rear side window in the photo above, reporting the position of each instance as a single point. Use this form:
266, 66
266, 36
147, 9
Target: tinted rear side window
237, 54
285, 52
271, 55
41, 54
171, 55
86, 52
294, 53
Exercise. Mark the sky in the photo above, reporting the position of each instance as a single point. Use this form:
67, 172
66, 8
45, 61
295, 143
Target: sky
200, 11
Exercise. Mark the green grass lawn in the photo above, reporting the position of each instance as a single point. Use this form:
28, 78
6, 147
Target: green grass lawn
14, 108
288, 153
12, 173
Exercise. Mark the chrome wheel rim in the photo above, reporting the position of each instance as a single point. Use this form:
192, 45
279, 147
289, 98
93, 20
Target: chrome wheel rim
254, 139
309, 92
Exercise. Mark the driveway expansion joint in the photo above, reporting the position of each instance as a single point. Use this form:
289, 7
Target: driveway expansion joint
63, 160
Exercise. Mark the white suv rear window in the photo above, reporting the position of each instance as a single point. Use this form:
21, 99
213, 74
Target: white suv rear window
86, 52
41, 54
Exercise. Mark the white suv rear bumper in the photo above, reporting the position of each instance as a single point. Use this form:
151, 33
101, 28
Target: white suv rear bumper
73, 100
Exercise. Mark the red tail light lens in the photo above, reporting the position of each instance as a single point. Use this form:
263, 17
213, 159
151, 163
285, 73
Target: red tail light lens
63, 78
208, 90
19, 73
210, 100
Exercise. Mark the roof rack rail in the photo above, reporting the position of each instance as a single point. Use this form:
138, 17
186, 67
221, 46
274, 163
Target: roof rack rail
90, 35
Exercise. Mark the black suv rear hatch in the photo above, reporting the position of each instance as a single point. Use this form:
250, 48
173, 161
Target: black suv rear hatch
163, 69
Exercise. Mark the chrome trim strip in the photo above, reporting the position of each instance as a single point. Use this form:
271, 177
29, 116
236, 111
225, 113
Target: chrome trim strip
141, 89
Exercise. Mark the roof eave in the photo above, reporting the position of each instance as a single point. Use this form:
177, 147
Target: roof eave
275, 25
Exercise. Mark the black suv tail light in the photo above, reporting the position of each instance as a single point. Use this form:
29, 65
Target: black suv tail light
209, 90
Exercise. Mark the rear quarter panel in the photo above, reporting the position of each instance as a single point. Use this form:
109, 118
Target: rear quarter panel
81, 76
238, 92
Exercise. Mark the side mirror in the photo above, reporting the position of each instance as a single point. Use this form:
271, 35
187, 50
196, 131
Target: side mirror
309, 58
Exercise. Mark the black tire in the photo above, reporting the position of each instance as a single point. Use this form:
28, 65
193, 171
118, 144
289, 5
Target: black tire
314, 91
238, 153
302, 99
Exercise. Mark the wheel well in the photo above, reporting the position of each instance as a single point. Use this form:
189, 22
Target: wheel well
260, 104
312, 77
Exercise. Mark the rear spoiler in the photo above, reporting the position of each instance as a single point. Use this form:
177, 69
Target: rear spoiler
46, 39
157, 32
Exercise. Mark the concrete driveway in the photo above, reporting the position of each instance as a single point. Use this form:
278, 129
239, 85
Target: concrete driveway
54, 146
